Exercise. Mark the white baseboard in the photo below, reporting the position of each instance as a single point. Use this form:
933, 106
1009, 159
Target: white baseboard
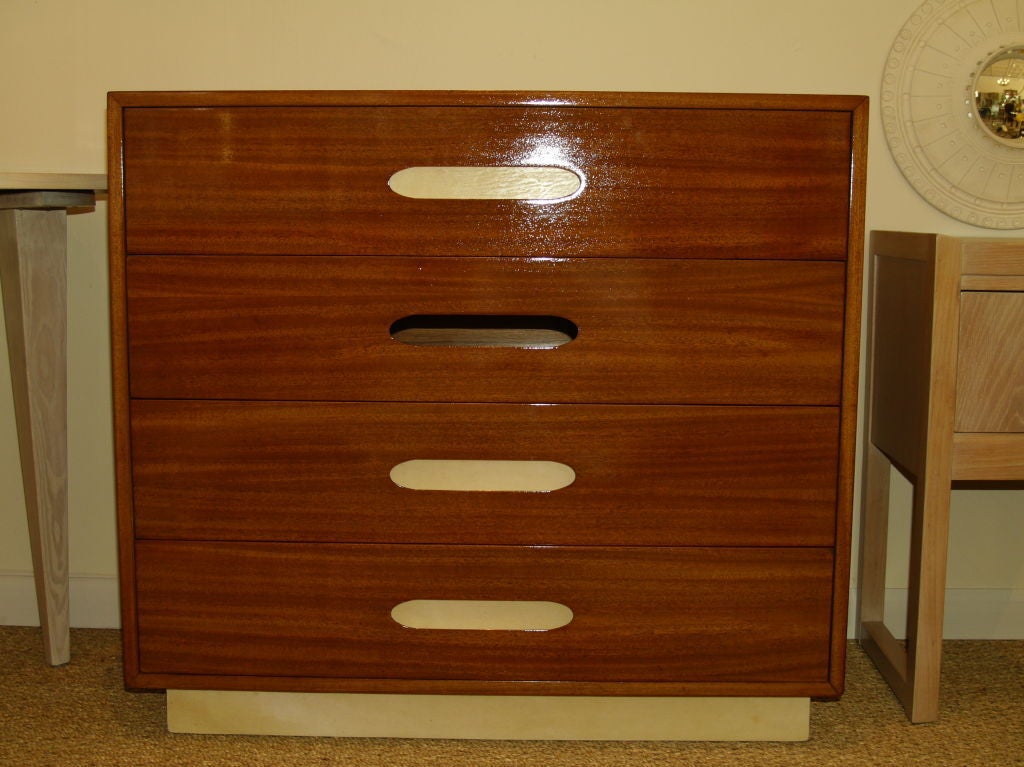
95, 602
970, 613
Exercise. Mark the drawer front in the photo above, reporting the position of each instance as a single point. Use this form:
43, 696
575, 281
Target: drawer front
664, 475
653, 614
990, 363
656, 182
646, 330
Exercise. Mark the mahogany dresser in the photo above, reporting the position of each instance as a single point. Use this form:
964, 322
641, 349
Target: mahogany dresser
486, 393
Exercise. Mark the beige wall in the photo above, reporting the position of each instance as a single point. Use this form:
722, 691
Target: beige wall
60, 57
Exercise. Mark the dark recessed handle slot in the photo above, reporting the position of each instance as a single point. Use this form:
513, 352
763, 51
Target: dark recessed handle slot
522, 331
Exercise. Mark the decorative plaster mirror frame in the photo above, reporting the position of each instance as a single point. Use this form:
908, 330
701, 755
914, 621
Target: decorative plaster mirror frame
928, 110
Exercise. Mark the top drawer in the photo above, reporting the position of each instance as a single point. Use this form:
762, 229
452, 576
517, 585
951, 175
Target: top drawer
656, 182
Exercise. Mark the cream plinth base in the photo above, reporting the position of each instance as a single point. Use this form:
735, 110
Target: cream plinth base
487, 717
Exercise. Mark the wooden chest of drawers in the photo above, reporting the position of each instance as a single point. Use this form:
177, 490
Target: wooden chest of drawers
678, 331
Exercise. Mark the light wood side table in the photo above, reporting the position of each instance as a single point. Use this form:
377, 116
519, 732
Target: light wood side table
945, 403
33, 272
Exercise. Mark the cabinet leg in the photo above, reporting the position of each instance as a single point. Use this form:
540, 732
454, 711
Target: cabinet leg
888, 654
33, 271
929, 543
912, 670
873, 537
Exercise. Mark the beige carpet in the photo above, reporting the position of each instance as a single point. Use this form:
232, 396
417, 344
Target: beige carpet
79, 715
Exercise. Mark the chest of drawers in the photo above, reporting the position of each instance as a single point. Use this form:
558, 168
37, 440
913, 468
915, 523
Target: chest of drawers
675, 332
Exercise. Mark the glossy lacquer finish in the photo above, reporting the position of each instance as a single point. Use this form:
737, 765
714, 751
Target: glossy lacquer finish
644, 475
656, 182
648, 330
639, 615
677, 335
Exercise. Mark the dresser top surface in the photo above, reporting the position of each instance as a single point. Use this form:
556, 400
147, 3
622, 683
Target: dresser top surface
811, 102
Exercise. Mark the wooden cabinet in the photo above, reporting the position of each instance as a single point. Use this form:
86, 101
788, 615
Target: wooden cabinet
945, 404
678, 332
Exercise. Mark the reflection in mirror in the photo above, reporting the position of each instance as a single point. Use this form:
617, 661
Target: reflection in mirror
999, 94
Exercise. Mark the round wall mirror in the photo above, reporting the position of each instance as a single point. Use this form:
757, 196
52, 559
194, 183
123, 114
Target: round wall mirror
999, 96
952, 105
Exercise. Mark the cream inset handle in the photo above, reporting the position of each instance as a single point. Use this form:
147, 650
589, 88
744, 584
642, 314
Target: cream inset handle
485, 476
481, 615
527, 182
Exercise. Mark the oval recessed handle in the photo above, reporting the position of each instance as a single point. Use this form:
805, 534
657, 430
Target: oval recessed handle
531, 182
521, 331
481, 615
483, 476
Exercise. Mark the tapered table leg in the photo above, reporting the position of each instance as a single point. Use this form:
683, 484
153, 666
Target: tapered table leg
33, 274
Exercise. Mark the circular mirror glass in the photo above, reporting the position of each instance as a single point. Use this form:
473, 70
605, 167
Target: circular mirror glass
999, 95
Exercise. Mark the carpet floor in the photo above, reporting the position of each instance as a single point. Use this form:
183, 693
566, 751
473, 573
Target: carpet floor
79, 715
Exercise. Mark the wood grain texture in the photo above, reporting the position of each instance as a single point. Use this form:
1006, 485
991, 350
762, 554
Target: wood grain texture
900, 373
875, 473
643, 615
849, 422
874, 531
810, 103
929, 531
649, 330
644, 475
659, 183
992, 256
119, 383
667, 262
33, 271
988, 457
888, 654
990, 365
1011, 283
90, 182
912, 390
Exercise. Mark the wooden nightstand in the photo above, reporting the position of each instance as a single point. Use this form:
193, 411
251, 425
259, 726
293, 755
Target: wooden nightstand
945, 403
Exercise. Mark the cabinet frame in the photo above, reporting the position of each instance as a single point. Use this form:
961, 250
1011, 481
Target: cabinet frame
918, 286
856, 107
